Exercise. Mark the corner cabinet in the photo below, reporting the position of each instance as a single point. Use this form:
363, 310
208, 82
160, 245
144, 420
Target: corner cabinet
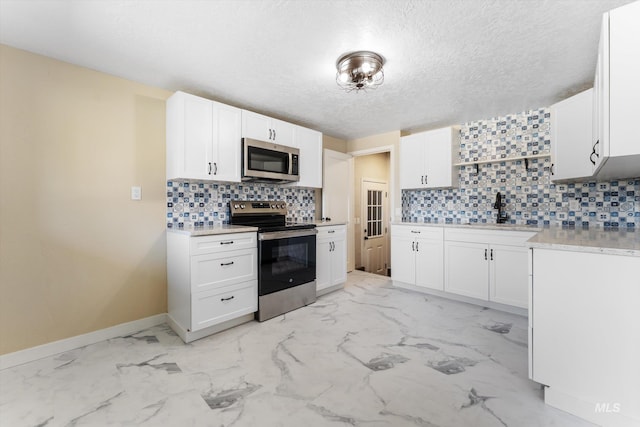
615, 152
331, 257
263, 128
427, 159
417, 256
210, 280
571, 133
203, 139
487, 265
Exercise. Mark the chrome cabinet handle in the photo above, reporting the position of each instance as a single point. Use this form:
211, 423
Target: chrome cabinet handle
215, 169
209, 168
226, 299
226, 263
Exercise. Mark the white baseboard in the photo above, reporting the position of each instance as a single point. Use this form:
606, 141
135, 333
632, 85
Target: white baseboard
448, 295
20, 357
188, 336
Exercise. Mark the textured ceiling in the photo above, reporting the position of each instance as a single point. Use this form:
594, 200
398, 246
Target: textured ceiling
448, 61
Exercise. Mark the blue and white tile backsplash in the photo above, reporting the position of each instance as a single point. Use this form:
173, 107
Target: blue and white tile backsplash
529, 195
199, 203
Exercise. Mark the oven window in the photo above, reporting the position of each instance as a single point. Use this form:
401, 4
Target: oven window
285, 263
264, 160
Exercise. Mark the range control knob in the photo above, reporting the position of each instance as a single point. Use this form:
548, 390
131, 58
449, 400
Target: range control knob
282, 206
242, 206
273, 206
236, 206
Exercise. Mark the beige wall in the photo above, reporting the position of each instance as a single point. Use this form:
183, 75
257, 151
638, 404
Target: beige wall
373, 166
335, 144
76, 254
382, 140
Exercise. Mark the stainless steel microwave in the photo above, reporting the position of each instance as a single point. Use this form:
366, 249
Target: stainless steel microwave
266, 161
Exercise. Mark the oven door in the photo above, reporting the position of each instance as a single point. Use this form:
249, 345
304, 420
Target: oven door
287, 259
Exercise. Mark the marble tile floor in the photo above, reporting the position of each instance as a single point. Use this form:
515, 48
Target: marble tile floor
370, 355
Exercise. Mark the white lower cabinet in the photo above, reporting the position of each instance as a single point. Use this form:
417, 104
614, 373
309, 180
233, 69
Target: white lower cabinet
584, 325
211, 280
417, 255
487, 265
331, 257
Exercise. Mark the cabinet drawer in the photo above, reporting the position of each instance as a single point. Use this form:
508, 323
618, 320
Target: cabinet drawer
424, 232
222, 243
331, 232
218, 270
211, 307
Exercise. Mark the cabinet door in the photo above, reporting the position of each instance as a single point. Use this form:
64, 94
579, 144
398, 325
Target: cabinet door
198, 138
323, 264
467, 269
339, 261
412, 159
624, 85
572, 133
429, 264
309, 142
282, 132
508, 275
600, 147
256, 126
227, 144
403, 264
439, 166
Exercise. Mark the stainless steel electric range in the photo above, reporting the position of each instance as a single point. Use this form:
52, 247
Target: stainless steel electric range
286, 256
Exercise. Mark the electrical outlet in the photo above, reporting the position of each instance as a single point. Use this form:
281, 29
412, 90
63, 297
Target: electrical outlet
136, 193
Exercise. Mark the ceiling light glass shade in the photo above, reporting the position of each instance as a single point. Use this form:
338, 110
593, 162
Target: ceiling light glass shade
360, 70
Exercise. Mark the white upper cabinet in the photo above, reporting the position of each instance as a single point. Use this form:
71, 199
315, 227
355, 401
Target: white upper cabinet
571, 137
203, 139
426, 159
309, 142
615, 151
263, 128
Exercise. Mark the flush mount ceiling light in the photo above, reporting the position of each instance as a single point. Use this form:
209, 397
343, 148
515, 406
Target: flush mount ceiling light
360, 70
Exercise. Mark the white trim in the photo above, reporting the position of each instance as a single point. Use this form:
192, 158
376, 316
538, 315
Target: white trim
189, 336
20, 357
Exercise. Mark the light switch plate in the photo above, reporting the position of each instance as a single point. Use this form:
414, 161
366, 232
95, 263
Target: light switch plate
136, 193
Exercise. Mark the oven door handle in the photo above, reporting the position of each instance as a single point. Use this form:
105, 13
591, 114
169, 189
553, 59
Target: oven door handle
273, 235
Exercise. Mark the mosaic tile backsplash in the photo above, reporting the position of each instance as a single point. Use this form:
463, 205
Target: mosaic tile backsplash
529, 196
200, 203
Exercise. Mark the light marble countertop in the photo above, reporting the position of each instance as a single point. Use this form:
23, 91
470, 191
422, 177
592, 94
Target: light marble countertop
213, 230
319, 223
472, 226
595, 240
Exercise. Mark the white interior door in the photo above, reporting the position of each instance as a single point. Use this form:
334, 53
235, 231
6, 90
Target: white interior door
375, 200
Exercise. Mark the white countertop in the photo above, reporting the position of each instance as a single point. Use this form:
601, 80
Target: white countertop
319, 223
595, 240
212, 230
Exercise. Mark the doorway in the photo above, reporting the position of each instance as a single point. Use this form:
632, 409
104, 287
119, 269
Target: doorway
374, 206
372, 211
